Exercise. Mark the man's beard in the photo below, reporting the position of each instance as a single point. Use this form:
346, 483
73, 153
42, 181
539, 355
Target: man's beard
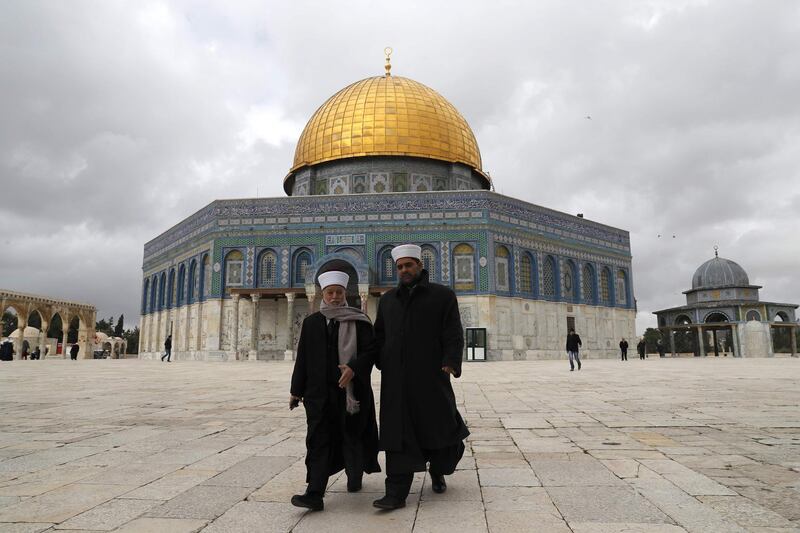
411, 280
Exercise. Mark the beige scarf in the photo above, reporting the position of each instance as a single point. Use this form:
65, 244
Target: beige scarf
348, 341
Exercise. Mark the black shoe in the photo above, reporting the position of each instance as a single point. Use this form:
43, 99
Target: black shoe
308, 501
438, 484
353, 485
579, 366
389, 503
572, 370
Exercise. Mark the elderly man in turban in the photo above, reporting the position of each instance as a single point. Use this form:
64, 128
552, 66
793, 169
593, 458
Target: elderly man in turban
332, 378
419, 344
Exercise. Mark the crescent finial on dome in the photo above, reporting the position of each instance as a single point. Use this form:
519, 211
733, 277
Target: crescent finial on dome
388, 66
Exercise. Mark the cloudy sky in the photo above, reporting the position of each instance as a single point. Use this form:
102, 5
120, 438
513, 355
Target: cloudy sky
118, 119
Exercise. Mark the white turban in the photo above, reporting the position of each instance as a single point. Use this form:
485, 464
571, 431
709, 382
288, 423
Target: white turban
333, 277
406, 250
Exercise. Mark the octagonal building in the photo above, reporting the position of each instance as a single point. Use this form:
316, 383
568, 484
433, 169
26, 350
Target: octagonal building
382, 162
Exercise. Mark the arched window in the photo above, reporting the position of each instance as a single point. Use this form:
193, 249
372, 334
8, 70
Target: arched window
753, 315
388, 273
144, 295
429, 261
206, 276
181, 284
171, 289
192, 280
464, 266
549, 277
525, 273
622, 288
570, 279
501, 257
302, 261
162, 289
154, 294
267, 269
234, 268
587, 284
605, 286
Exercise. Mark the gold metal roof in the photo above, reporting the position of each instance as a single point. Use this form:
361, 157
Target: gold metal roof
387, 115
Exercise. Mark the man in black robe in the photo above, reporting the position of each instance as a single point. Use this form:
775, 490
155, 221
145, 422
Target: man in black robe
340, 407
419, 345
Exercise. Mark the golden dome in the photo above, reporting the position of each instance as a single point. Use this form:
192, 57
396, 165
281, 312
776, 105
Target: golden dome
387, 115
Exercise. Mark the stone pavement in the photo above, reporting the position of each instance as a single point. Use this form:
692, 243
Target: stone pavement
655, 446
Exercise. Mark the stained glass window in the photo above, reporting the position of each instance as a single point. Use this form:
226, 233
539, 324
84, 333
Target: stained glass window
429, 261
587, 284
267, 269
569, 281
525, 273
206, 276
234, 264
549, 277
621, 288
388, 273
464, 263
501, 256
301, 263
605, 286
192, 280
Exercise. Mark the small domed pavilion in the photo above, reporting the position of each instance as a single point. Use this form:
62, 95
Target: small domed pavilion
723, 314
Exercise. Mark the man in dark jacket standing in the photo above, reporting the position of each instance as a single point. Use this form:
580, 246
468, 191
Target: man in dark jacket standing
641, 347
73, 351
623, 348
573, 347
419, 343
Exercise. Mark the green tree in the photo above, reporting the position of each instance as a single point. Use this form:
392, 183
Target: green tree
105, 325
132, 336
651, 336
118, 329
9, 323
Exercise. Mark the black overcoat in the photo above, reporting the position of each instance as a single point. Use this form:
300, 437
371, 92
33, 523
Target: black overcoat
417, 332
310, 382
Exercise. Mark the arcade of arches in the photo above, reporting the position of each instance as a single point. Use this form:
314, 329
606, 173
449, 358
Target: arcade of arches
53, 320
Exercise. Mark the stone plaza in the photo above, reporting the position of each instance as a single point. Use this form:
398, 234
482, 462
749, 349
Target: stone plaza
654, 446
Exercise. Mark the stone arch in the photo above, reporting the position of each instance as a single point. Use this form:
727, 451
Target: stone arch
753, 316
682, 320
780, 316
715, 316
11, 319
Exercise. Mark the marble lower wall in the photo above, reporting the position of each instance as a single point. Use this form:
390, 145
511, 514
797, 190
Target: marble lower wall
517, 328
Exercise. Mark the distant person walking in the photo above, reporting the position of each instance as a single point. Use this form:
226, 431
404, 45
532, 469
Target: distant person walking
573, 347
73, 352
167, 349
660, 347
26, 347
641, 347
623, 348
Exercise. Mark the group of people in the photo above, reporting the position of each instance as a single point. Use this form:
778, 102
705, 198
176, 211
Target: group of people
416, 342
7, 351
574, 344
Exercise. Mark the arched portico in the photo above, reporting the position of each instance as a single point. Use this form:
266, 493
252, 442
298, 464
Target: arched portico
41, 309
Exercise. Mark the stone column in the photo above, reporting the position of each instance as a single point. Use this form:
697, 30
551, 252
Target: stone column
701, 341
793, 340
235, 326
253, 355
22, 323
288, 355
672, 341
42, 338
311, 295
64, 333
187, 309
363, 292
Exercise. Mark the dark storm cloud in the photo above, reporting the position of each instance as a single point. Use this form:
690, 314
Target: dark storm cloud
121, 118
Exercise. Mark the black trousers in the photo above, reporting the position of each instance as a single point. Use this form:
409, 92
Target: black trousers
624, 355
333, 436
400, 466
167, 354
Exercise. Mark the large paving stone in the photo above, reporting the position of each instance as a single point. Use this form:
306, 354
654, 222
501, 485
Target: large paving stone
162, 525
450, 517
604, 504
264, 517
62, 503
353, 513
109, 515
252, 472
574, 473
204, 502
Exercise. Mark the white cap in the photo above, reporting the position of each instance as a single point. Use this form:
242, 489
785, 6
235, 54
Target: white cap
333, 277
406, 250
